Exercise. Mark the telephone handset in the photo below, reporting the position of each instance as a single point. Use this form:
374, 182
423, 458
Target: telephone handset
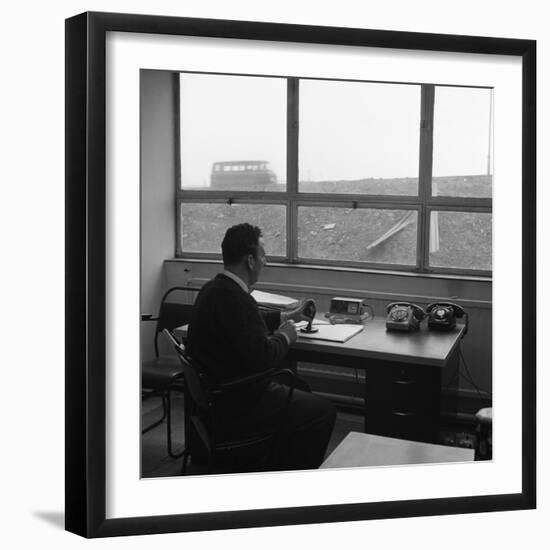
404, 316
443, 316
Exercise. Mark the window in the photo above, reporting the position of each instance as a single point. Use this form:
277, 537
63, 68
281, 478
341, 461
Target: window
363, 174
225, 123
462, 150
203, 225
471, 251
358, 137
357, 235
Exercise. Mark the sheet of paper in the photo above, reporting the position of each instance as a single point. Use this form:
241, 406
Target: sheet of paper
273, 300
333, 333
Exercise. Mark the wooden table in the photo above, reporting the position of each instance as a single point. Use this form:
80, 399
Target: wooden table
361, 449
403, 375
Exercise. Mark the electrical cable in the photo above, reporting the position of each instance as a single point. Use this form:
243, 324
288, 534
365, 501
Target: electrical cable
453, 377
469, 378
478, 391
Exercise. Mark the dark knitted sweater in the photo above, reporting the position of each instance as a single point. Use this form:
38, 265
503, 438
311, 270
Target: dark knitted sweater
231, 337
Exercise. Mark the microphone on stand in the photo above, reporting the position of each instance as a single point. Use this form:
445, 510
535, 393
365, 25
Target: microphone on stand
310, 312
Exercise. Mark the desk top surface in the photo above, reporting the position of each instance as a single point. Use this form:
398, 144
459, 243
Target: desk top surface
359, 449
375, 342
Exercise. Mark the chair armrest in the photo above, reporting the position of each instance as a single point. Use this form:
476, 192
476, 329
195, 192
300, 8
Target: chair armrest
148, 317
287, 375
258, 377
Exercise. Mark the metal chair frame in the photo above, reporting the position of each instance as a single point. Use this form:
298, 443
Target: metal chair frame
171, 315
201, 410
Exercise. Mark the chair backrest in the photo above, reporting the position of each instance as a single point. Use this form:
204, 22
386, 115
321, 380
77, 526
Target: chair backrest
195, 384
204, 415
173, 314
192, 375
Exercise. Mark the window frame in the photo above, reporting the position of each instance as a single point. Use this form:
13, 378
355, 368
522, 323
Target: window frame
423, 202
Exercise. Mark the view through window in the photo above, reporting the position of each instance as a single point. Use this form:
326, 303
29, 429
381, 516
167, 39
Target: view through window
364, 174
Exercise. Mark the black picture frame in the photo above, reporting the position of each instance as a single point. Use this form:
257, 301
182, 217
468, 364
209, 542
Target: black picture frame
86, 263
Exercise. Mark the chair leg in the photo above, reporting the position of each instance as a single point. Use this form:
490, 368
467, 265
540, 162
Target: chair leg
166, 414
186, 429
185, 459
161, 420
169, 428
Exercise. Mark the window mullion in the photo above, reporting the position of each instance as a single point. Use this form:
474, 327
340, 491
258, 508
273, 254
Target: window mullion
176, 83
425, 173
292, 168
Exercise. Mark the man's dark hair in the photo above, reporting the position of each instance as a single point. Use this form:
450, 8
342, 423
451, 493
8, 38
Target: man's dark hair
240, 240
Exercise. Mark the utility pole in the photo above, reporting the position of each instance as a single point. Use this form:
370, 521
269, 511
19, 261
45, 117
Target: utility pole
490, 132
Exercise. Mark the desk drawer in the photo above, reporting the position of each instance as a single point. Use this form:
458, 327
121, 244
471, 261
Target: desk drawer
403, 401
403, 409
406, 376
412, 399
412, 387
404, 424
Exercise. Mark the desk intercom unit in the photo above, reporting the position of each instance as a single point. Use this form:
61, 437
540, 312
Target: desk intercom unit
404, 316
349, 310
443, 315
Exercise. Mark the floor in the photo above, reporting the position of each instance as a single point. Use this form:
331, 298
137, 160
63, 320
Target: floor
157, 463
155, 459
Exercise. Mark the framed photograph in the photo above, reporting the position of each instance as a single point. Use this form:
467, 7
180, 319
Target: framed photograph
431, 138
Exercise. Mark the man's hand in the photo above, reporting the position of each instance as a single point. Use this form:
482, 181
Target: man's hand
288, 329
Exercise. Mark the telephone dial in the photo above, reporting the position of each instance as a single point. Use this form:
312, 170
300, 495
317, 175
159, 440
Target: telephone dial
404, 316
443, 315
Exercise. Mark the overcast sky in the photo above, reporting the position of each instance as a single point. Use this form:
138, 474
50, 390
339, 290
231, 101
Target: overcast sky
347, 130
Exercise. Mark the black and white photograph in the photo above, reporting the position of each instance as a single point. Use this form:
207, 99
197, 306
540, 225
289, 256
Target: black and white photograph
274, 273
324, 273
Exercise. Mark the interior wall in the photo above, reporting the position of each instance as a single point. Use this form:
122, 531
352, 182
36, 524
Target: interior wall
158, 174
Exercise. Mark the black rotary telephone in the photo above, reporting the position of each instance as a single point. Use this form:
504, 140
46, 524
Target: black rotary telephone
404, 316
443, 315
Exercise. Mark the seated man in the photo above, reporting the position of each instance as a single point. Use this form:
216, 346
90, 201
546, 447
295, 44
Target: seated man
232, 338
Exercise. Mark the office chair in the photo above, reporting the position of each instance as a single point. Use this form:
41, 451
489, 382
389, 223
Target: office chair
227, 453
161, 375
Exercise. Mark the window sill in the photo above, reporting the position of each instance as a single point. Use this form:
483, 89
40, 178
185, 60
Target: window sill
344, 269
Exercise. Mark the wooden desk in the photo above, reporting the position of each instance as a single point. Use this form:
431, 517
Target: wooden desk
359, 449
422, 347
403, 372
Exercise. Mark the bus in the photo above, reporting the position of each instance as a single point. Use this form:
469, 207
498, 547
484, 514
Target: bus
242, 174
